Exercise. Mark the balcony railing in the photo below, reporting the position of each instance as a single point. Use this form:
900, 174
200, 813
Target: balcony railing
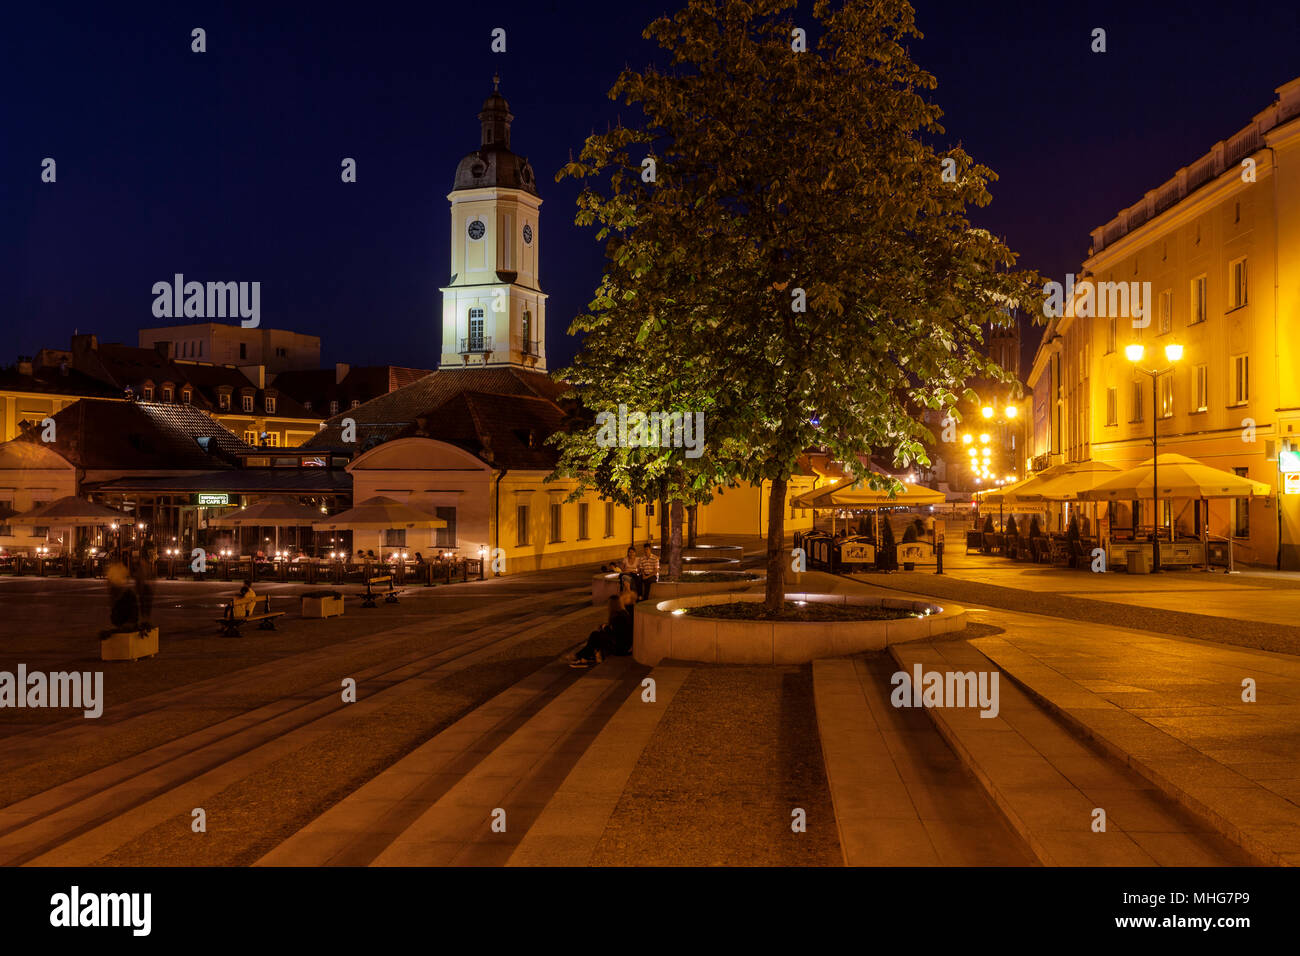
475, 344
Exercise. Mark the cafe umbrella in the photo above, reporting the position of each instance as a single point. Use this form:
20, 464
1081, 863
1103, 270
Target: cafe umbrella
1178, 477
380, 514
274, 511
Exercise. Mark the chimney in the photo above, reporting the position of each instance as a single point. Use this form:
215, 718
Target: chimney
81, 344
163, 348
255, 374
341, 370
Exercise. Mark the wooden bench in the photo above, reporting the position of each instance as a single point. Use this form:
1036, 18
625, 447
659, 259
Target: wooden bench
231, 622
390, 596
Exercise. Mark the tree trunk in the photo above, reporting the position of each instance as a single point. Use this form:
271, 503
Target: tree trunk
775, 595
663, 528
691, 513
675, 542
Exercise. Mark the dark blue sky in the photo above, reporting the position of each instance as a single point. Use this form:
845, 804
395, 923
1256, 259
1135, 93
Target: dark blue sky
225, 165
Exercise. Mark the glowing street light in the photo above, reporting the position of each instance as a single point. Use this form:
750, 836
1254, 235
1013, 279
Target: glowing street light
1173, 353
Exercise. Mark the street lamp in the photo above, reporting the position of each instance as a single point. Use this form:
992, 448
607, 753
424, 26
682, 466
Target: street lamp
1134, 353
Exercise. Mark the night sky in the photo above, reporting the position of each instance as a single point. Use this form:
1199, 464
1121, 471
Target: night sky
225, 165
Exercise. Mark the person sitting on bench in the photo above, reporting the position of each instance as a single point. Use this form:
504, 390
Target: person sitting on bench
245, 602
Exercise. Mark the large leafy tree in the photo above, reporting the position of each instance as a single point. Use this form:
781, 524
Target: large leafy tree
802, 260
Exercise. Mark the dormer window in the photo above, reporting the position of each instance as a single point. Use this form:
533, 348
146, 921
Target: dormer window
167, 393
187, 395
355, 403
247, 404
147, 393
270, 405
334, 408
223, 401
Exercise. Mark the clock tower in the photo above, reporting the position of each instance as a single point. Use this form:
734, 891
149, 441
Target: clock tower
493, 309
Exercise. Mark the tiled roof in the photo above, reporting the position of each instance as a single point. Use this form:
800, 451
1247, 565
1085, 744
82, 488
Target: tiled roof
301, 481
97, 434
361, 384
56, 381
388, 416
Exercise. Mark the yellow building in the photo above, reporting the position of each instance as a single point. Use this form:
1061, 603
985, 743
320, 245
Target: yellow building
1210, 261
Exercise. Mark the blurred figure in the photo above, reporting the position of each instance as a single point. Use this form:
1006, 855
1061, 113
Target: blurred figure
123, 606
146, 573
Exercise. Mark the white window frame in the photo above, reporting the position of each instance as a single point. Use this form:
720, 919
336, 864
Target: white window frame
1166, 397
1238, 284
1202, 386
246, 403
1241, 379
1166, 311
1198, 308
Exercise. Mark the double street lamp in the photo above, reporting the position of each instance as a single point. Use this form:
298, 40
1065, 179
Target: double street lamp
1134, 353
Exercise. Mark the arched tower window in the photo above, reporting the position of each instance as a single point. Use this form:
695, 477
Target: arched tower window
476, 330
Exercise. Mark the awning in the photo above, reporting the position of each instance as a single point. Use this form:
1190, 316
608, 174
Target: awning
380, 514
72, 512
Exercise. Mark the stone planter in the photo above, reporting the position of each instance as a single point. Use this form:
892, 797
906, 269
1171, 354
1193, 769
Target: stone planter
129, 645
322, 604
658, 633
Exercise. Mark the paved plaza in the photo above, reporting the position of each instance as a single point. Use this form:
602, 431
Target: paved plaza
471, 742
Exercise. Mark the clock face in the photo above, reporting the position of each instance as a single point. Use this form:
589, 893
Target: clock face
528, 235
477, 230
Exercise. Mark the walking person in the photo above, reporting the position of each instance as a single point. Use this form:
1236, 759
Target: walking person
648, 570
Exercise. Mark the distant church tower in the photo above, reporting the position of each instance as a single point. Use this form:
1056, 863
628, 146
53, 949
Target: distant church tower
493, 309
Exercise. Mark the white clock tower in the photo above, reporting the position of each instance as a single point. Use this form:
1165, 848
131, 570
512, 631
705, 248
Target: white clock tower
493, 309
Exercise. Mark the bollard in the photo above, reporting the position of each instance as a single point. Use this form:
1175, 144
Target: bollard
938, 557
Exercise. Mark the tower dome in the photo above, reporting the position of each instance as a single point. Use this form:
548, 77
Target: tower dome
493, 163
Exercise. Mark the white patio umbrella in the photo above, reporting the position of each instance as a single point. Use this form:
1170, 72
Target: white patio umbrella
380, 514
274, 511
1177, 476
72, 512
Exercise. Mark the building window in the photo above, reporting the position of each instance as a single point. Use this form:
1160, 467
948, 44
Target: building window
1166, 310
1202, 387
446, 537
521, 525
1139, 403
1240, 379
609, 519
1112, 406
187, 396
147, 393
394, 537
355, 403
476, 330
243, 350
167, 393
247, 403
1241, 510
636, 516
1112, 335
556, 515
270, 405
1166, 396
1237, 284
271, 439
1198, 301
527, 327
250, 438
334, 408
582, 521
223, 402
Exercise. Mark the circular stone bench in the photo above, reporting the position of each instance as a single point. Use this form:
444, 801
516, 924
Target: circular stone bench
605, 586
659, 633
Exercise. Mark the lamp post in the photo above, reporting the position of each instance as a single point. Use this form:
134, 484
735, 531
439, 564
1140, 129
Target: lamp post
1134, 353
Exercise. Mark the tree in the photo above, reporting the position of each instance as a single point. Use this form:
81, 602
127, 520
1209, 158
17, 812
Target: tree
802, 260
